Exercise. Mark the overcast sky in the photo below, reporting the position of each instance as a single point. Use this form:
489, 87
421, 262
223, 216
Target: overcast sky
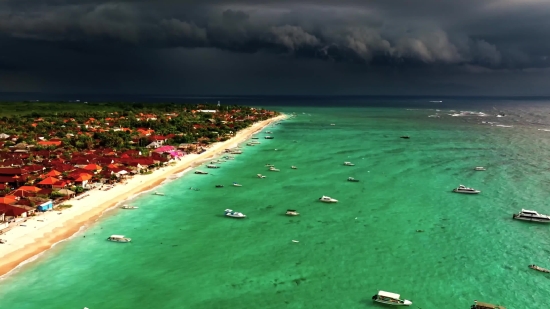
421, 47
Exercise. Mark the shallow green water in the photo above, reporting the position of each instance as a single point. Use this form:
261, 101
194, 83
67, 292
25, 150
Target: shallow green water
185, 254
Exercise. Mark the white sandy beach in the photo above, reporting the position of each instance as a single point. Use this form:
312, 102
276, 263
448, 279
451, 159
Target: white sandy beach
40, 232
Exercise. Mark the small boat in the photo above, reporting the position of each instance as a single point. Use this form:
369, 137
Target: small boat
293, 167
158, 193
531, 215
255, 143
201, 172
249, 144
237, 185
268, 132
212, 166
349, 164
236, 152
480, 305
261, 176
291, 212
295, 240
219, 186
353, 179
464, 189
119, 238
389, 298
255, 137
129, 207
405, 136
269, 165
535, 267
268, 137
479, 168
234, 214
273, 169
332, 124
327, 199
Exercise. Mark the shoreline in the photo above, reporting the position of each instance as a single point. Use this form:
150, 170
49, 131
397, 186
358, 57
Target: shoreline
26, 242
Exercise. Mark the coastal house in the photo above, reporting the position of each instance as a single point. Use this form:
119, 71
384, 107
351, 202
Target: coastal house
45, 206
12, 211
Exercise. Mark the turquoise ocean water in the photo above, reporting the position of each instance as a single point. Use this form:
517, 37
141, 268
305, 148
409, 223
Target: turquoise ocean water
185, 254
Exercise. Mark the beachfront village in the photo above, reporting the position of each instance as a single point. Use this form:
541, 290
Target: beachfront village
48, 158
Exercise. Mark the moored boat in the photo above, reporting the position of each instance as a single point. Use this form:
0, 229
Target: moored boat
273, 169
353, 179
268, 137
129, 207
219, 186
348, 164
531, 215
291, 212
481, 305
466, 190
405, 137
158, 193
237, 185
538, 268
119, 238
479, 168
327, 199
390, 298
234, 214
293, 167
212, 166
261, 176
201, 172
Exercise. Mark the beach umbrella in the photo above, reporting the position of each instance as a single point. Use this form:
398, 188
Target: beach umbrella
53, 173
66, 192
111, 166
92, 167
28, 189
8, 199
50, 181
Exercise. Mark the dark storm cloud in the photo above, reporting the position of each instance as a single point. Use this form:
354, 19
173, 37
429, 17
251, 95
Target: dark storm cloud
131, 37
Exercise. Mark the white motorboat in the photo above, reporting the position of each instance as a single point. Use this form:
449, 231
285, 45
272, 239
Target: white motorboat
212, 166
531, 215
261, 176
353, 179
269, 165
479, 168
234, 214
464, 189
159, 193
119, 238
349, 164
129, 207
293, 167
237, 185
292, 212
389, 298
327, 199
273, 169
201, 172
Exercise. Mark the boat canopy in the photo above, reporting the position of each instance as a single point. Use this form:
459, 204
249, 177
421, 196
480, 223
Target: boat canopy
388, 294
117, 236
529, 211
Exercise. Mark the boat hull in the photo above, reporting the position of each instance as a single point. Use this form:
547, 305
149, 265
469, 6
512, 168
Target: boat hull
466, 192
392, 303
516, 217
